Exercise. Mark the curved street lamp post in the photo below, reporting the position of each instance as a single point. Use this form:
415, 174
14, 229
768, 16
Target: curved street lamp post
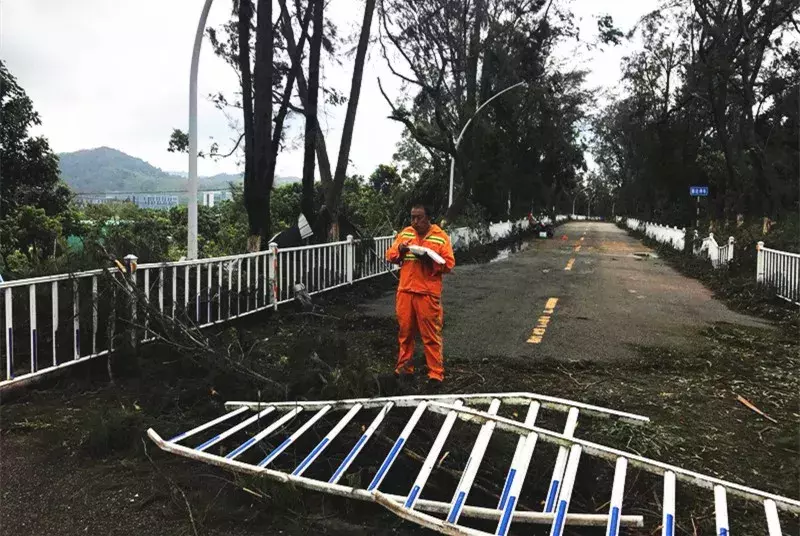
461, 135
191, 247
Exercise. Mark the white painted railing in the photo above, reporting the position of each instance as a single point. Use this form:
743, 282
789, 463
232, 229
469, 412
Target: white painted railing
66, 319
718, 255
779, 270
581, 217
776, 269
57, 321
465, 237
663, 234
676, 238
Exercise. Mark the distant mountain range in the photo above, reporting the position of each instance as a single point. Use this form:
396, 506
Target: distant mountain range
105, 170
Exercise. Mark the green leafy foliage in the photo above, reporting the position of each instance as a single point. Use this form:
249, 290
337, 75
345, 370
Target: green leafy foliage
608, 33
33, 200
525, 148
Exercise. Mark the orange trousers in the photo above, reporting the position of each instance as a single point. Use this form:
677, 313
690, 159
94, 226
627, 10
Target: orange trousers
420, 313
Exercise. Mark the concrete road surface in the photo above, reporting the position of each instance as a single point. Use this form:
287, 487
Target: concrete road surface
592, 292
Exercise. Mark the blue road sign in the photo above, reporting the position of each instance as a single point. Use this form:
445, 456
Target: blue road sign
698, 191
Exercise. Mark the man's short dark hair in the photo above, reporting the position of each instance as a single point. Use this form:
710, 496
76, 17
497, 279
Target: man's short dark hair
426, 208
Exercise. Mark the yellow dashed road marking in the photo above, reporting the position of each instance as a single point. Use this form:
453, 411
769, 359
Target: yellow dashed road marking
543, 321
577, 248
569, 264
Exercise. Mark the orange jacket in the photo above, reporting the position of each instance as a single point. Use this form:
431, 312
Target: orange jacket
422, 276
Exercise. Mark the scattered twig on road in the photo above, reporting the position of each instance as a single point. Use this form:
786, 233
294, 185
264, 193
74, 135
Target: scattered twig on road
459, 371
762, 431
321, 315
567, 374
749, 405
173, 486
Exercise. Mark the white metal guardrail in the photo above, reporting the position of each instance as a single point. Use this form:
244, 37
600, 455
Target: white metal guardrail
331, 443
718, 255
57, 321
465, 237
52, 322
663, 234
676, 238
779, 270
581, 217
776, 269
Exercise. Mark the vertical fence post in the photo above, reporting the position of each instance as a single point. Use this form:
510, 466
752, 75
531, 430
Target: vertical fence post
54, 299
713, 250
9, 335
273, 273
351, 255
34, 335
76, 318
130, 273
730, 248
760, 262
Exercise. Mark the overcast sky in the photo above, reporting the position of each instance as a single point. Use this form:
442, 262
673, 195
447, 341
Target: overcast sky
116, 73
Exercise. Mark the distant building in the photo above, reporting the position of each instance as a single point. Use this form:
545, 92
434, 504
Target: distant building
155, 201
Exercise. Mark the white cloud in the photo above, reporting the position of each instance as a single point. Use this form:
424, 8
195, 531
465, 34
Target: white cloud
115, 73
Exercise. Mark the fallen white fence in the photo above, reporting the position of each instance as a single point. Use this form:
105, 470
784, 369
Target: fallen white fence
779, 270
251, 438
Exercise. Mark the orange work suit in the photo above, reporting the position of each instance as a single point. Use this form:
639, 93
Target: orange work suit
418, 303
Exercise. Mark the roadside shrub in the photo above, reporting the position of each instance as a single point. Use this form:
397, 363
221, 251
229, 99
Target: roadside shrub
112, 431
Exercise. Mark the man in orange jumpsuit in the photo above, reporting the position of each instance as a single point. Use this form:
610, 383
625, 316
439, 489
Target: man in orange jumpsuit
419, 307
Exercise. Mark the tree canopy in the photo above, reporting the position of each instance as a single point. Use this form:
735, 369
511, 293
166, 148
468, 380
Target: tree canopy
711, 98
33, 199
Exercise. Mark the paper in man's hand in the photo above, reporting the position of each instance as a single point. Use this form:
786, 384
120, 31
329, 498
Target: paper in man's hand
419, 250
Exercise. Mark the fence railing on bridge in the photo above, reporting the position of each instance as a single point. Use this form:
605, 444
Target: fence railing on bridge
663, 234
718, 255
675, 237
56, 321
779, 270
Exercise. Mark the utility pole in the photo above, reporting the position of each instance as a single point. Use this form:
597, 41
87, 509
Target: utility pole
697, 215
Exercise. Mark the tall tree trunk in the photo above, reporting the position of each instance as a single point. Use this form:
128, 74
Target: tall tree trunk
334, 190
759, 194
295, 70
473, 52
302, 89
719, 103
307, 200
245, 18
259, 211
